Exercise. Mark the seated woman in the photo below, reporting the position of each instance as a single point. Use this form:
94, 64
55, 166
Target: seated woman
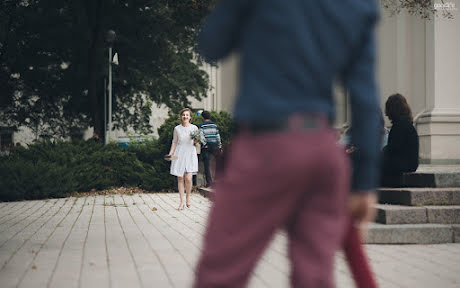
402, 151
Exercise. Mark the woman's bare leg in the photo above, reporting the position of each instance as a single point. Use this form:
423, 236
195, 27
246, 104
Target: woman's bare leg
188, 186
180, 187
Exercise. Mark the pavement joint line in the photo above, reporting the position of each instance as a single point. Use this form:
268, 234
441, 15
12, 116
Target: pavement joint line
182, 222
396, 266
169, 227
27, 216
387, 258
65, 240
25, 241
25, 205
173, 217
107, 259
379, 277
44, 242
448, 254
209, 210
18, 212
10, 208
23, 228
185, 212
442, 246
201, 235
263, 258
190, 209
148, 242
162, 234
400, 260
427, 259
176, 220
127, 244
83, 254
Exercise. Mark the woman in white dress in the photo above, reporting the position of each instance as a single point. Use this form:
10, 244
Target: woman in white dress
183, 156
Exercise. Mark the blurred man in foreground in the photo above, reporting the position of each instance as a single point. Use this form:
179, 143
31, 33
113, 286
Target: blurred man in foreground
285, 170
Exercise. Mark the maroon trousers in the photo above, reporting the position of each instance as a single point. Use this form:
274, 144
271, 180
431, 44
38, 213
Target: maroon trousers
295, 180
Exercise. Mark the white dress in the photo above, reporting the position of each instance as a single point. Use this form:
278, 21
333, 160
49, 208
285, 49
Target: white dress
187, 158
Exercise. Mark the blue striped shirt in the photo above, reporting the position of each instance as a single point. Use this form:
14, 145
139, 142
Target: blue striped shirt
211, 132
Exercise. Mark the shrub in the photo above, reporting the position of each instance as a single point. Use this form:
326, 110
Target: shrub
54, 169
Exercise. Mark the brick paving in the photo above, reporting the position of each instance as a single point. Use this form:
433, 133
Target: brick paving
141, 240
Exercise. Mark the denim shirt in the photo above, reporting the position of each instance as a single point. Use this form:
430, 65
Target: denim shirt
291, 54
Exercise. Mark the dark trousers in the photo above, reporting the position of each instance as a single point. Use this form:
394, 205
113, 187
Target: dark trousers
293, 180
206, 154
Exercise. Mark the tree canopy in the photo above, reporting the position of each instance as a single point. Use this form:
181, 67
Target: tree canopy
54, 58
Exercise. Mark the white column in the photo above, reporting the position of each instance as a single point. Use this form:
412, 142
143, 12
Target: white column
439, 126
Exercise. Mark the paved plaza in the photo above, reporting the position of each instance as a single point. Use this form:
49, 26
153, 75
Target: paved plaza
141, 240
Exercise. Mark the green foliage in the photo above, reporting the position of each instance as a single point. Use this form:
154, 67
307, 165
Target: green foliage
54, 169
223, 120
48, 169
54, 58
156, 170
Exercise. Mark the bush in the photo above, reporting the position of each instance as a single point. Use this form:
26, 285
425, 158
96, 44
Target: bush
55, 169
222, 119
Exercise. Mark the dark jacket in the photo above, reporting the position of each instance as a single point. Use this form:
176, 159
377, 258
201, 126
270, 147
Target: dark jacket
291, 54
402, 152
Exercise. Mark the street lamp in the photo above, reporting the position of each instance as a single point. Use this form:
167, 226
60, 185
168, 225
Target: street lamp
110, 38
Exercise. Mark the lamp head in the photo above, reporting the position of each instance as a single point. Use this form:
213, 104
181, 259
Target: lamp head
110, 36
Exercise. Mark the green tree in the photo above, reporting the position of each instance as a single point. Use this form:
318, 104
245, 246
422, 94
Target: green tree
54, 58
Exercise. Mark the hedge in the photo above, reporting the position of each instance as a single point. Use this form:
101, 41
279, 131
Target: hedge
55, 169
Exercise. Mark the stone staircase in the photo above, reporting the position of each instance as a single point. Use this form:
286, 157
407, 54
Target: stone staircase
420, 208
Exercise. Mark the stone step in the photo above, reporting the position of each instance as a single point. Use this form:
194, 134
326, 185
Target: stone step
397, 214
443, 214
400, 233
424, 179
412, 234
419, 196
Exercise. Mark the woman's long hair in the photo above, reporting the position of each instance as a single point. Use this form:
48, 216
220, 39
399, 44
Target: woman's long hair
396, 107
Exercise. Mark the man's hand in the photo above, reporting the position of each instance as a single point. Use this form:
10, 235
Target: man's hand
361, 207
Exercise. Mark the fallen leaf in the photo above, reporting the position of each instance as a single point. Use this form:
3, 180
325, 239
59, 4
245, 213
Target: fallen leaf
34, 267
154, 209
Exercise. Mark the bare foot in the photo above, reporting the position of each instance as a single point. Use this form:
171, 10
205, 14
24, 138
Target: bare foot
181, 206
189, 203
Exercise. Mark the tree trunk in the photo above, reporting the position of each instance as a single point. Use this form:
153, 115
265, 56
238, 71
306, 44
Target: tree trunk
95, 98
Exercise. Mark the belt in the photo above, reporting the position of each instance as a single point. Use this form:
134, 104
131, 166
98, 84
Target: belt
295, 122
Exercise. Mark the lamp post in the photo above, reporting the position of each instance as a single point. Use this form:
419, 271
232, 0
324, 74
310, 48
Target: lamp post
110, 37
